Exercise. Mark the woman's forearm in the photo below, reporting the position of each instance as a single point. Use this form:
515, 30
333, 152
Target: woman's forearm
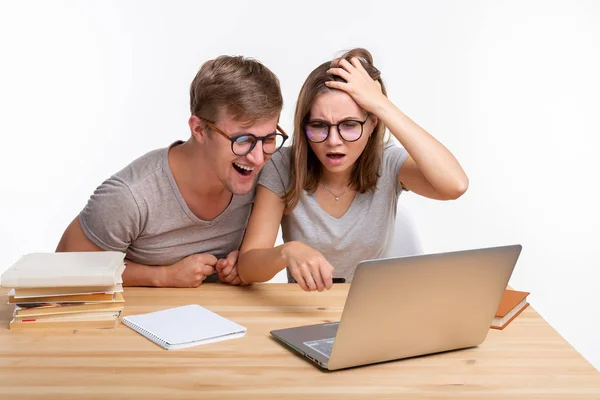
261, 265
437, 164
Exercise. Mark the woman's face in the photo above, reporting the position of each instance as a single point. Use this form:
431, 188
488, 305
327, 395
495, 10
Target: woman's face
334, 107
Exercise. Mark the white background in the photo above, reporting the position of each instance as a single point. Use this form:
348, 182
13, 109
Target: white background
512, 88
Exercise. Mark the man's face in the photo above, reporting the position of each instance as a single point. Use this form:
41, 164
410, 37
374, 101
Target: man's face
237, 173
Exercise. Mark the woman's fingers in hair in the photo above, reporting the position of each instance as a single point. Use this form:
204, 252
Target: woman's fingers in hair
354, 63
341, 72
346, 69
343, 63
357, 64
336, 85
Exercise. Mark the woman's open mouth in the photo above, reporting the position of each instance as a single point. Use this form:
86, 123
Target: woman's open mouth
335, 158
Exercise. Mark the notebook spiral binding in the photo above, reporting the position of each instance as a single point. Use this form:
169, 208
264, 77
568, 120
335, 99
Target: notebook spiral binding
145, 333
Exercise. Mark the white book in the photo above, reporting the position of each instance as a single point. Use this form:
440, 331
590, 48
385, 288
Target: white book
184, 326
24, 293
40, 270
93, 315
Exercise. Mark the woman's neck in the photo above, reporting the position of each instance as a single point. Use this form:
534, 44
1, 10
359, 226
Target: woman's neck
336, 180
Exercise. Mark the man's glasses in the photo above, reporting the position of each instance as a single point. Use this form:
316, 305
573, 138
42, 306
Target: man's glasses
245, 143
350, 130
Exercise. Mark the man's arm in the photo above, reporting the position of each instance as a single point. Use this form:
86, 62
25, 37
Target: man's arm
189, 272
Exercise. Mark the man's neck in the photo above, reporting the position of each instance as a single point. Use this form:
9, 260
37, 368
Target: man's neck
187, 165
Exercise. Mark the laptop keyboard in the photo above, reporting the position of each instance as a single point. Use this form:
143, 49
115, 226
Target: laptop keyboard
323, 346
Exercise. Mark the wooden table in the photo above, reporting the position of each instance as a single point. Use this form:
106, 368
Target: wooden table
526, 360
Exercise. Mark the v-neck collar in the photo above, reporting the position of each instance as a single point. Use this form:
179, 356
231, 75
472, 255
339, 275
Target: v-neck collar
349, 211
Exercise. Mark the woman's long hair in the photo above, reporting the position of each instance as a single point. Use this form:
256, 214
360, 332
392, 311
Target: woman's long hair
305, 168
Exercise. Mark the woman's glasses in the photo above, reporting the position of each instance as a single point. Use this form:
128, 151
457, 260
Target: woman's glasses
350, 130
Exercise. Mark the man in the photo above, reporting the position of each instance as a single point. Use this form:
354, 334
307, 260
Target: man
179, 213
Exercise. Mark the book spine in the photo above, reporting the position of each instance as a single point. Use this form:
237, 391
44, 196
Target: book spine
43, 282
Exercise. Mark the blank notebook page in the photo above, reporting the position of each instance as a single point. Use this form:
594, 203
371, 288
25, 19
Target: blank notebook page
184, 326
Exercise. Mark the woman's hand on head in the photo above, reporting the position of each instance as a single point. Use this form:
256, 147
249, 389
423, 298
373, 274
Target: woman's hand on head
365, 91
308, 267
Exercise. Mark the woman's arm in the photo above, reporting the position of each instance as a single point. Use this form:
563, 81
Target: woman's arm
430, 170
259, 261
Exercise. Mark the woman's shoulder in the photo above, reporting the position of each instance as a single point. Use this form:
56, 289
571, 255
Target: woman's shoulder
284, 153
393, 157
281, 159
275, 174
392, 149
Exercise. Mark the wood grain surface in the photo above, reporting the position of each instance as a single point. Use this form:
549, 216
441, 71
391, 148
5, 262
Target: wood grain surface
527, 360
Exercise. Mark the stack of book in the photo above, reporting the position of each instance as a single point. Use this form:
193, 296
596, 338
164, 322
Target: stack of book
66, 290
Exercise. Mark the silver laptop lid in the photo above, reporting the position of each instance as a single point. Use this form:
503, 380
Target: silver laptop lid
410, 306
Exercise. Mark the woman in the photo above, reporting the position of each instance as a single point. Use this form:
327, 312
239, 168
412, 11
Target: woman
335, 191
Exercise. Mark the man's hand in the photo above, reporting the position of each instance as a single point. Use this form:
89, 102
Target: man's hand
191, 271
227, 269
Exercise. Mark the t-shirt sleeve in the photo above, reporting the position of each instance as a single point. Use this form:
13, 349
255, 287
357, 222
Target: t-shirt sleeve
111, 219
275, 175
393, 158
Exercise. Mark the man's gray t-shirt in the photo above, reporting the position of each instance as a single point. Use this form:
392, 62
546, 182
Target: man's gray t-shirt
140, 211
364, 232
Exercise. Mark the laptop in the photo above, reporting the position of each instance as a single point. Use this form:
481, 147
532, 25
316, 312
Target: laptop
410, 306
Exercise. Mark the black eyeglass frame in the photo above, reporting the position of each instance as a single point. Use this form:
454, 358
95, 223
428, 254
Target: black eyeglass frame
233, 139
362, 125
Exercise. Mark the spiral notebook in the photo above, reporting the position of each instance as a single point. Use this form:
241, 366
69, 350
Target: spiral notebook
184, 326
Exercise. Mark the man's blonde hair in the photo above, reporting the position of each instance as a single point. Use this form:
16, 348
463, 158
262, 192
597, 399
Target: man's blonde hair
240, 86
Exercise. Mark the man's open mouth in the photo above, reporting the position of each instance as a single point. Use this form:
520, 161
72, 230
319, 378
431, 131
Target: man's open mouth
243, 169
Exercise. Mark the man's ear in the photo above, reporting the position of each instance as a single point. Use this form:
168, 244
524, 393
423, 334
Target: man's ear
198, 129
